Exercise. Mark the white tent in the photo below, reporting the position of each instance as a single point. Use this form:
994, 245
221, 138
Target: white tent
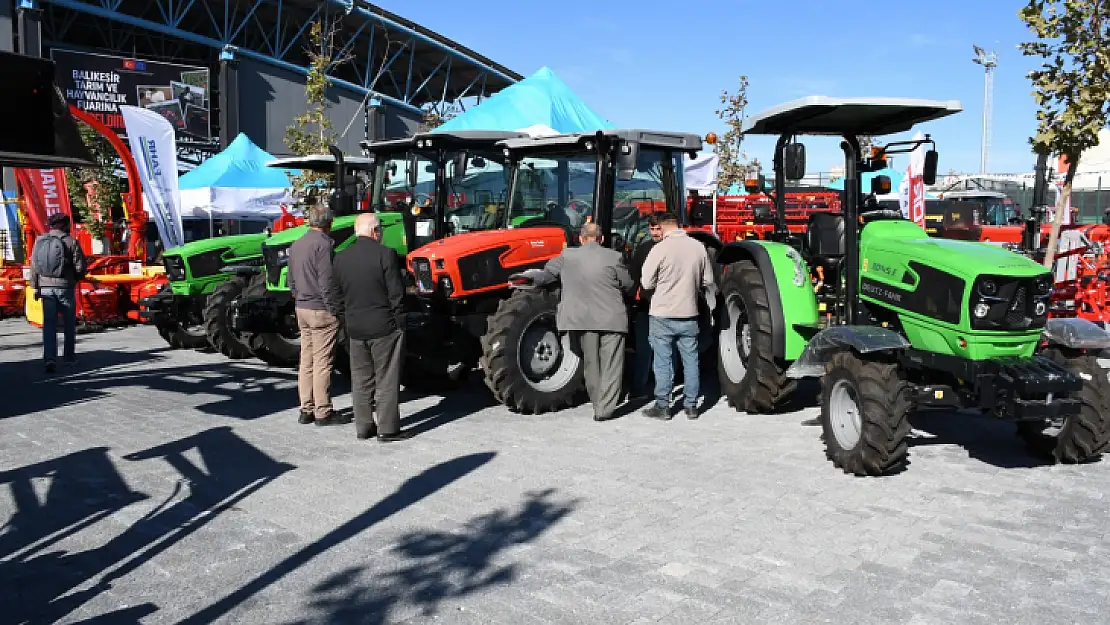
235, 184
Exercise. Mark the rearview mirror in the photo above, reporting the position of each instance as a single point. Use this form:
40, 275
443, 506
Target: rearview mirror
929, 176
627, 155
459, 170
411, 172
794, 161
880, 185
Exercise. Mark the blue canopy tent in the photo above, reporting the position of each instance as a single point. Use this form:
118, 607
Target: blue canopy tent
235, 184
541, 101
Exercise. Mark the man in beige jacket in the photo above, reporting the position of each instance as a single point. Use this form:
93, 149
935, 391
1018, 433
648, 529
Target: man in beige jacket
679, 271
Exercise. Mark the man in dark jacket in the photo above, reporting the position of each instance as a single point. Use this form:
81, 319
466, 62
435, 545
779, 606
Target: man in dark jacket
641, 370
368, 281
58, 293
310, 280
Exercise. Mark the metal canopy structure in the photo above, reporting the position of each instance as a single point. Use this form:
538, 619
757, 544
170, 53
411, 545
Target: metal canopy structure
647, 138
386, 56
821, 115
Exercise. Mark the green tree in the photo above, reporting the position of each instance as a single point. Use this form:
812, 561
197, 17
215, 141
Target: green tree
109, 185
1072, 85
734, 162
311, 132
434, 119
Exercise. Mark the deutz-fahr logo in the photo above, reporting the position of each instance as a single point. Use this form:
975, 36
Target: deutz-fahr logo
879, 292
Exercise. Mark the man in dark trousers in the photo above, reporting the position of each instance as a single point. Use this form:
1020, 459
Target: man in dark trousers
368, 278
317, 307
641, 370
595, 282
57, 265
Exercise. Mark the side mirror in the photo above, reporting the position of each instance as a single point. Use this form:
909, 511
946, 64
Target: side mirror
794, 161
459, 167
627, 155
929, 176
393, 169
880, 185
478, 162
413, 175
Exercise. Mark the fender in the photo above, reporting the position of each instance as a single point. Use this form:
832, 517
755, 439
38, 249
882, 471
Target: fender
1075, 333
787, 341
708, 239
862, 339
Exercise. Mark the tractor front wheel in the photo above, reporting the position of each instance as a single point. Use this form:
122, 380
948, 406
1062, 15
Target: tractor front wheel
183, 337
529, 365
278, 349
749, 375
217, 324
1083, 436
864, 415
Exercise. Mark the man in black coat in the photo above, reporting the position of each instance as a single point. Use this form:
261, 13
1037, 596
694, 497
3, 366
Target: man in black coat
368, 278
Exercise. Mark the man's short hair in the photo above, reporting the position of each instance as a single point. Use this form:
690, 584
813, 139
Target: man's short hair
59, 221
653, 219
366, 224
319, 216
589, 230
667, 218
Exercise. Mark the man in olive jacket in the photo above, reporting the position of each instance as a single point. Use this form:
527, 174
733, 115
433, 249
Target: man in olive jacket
594, 284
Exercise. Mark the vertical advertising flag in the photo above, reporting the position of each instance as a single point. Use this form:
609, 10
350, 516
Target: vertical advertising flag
916, 186
44, 193
155, 150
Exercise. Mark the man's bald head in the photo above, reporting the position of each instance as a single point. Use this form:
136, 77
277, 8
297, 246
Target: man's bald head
368, 225
589, 232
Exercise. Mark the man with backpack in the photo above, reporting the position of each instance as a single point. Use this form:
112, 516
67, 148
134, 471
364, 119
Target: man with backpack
57, 264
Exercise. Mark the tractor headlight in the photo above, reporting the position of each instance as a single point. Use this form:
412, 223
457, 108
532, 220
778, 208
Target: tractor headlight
989, 288
1039, 309
981, 310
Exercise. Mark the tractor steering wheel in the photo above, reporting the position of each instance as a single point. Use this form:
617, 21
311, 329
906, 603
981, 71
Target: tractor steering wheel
421, 199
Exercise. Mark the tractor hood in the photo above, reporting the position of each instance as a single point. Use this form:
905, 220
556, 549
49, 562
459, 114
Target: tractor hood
217, 243
882, 242
542, 240
338, 226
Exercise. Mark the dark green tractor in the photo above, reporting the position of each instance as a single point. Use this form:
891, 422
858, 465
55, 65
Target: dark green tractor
204, 277
892, 320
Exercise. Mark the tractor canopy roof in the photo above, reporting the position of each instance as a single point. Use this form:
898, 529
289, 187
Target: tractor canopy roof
821, 115
322, 163
680, 141
458, 139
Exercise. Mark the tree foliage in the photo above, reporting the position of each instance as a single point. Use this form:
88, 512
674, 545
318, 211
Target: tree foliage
108, 184
311, 132
1072, 85
734, 162
435, 118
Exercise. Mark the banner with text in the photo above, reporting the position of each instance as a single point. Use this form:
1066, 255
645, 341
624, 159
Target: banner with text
911, 192
44, 193
100, 84
155, 150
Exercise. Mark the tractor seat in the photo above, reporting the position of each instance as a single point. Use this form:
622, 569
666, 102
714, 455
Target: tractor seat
823, 242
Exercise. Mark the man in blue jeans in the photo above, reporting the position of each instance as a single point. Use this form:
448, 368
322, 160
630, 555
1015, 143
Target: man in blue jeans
679, 271
57, 265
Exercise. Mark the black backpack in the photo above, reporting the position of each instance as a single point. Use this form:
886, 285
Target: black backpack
50, 257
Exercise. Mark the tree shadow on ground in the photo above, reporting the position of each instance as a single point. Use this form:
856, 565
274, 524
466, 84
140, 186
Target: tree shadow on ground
413, 490
985, 439
38, 581
437, 567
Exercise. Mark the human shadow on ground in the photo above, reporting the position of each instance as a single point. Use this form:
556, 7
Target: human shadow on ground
988, 440
436, 566
410, 492
38, 580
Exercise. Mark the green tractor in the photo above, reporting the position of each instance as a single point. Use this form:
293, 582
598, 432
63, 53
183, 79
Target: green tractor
205, 276
892, 320
410, 191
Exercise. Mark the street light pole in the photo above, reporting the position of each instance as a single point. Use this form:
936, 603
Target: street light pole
989, 61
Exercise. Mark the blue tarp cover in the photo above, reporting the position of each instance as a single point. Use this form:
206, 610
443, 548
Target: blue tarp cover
541, 99
241, 165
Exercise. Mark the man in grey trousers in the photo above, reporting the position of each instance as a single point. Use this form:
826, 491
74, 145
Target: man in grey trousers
592, 306
368, 278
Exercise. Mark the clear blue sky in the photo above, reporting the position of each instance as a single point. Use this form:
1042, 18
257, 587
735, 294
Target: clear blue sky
663, 65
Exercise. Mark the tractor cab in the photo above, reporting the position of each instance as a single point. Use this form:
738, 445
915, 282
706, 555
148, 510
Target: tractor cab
351, 174
615, 178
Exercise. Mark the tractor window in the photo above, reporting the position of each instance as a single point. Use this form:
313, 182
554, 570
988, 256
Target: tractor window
999, 211
554, 188
393, 192
477, 202
634, 200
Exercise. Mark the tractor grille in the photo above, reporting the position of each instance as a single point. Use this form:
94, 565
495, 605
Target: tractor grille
423, 271
274, 260
1017, 304
175, 267
207, 263
1017, 313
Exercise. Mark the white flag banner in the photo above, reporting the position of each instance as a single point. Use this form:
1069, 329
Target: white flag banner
701, 173
154, 147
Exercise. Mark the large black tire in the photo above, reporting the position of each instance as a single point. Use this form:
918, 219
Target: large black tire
524, 324
217, 324
270, 347
865, 409
189, 335
1084, 436
751, 378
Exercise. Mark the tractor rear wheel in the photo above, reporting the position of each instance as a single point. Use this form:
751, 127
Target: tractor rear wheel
529, 365
278, 349
217, 324
1084, 436
864, 415
749, 375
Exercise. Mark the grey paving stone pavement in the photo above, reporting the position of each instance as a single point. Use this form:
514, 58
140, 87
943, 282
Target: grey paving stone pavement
158, 486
